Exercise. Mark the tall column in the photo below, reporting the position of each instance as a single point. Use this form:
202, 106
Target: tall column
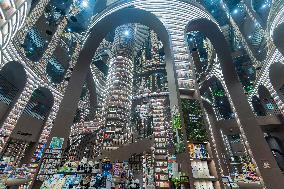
151, 103
119, 88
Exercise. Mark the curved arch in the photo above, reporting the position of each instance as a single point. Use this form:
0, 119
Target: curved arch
246, 72
219, 43
13, 79
46, 96
119, 16
239, 101
97, 33
15, 73
39, 105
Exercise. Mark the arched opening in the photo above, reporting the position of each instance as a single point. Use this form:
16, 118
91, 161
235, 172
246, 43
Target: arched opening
230, 148
237, 96
246, 72
258, 106
100, 30
220, 115
62, 122
202, 52
55, 70
150, 82
25, 136
278, 38
217, 95
12, 82
276, 71
267, 101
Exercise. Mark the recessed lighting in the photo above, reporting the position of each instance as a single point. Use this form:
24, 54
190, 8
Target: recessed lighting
126, 33
85, 3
